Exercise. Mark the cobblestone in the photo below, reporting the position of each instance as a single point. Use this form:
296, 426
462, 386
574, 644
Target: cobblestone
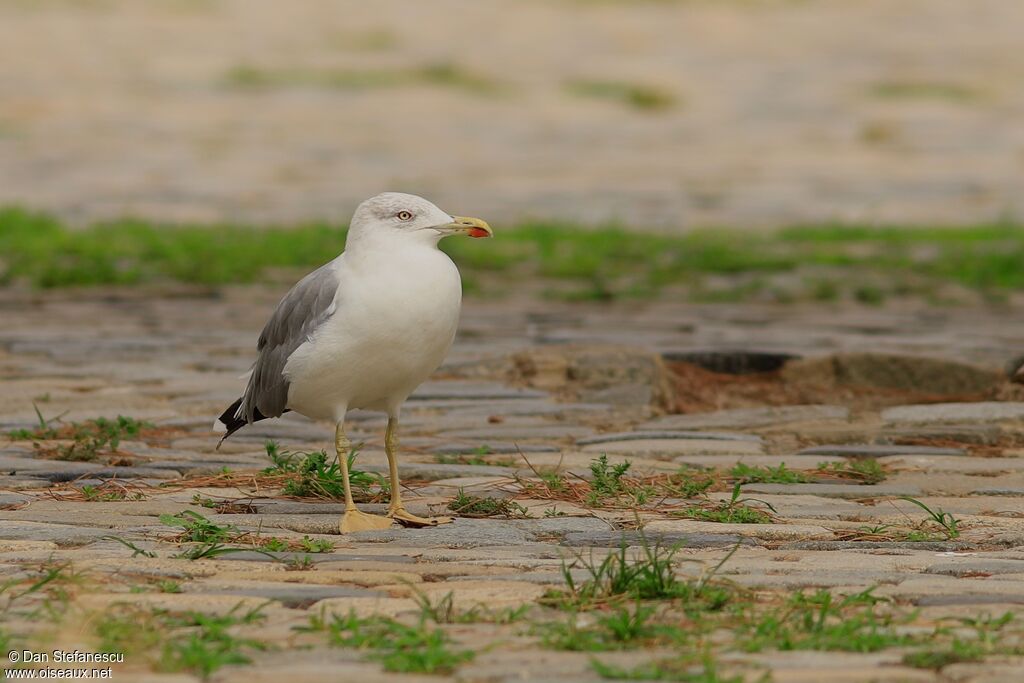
833, 533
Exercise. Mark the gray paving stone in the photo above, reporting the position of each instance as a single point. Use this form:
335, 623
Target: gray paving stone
937, 546
13, 499
471, 391
520, 407
998, 491
836, 490
24, 483
488, 435
61, 534
563, 525
60, 471
434, 471
492, 449
289, 594
819, 579
968, 599
553, 578
672, 435
104, 472
748, 418
877, 450
188, 423
938, 413
272, 506
194, 468
961, 433
316, 558
663, 449
614, 539
463, 533
974, 567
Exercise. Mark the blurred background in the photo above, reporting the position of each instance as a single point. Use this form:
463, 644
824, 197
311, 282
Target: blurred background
659, 115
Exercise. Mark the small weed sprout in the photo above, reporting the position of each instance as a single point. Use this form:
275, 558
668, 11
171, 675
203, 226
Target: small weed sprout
949, 526
864, 470
475, 506
734, 511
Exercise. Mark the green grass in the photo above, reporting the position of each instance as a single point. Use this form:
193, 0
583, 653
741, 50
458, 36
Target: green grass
944, 522
634, 95
726, 514
937, 658
820, 621
399, 647
608, 484
477, 458
441, 74
443, 611
733, 511
618, 629
105, 493
648, 574
475, 506
89, 440
862, 470
688, 483
305, 544
747, 474
198, 529
635, 600
865, 264
184, 641
683, 668
316, 475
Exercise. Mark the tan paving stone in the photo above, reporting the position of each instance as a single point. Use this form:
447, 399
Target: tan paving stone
770, 532
365, 606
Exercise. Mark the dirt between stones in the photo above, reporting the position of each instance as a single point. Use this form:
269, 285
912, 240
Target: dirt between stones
861, 382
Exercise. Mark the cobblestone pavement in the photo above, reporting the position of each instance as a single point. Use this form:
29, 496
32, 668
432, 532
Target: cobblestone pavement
552, 385
674, 114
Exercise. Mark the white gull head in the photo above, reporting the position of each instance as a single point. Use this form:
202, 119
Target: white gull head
396, 215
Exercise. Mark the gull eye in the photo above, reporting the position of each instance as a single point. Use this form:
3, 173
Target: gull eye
404, 215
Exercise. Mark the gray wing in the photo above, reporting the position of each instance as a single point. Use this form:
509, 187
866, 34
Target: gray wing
301, 311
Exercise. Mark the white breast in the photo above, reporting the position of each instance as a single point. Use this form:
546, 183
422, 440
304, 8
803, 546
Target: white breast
395, 321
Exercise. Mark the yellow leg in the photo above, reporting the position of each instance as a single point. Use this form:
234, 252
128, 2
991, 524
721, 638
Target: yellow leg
396, 509
353, 519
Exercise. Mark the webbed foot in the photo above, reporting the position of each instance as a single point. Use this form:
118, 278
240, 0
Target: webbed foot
354, 520
406, 518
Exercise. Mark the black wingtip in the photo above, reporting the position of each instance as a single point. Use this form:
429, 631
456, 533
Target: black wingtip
231, 421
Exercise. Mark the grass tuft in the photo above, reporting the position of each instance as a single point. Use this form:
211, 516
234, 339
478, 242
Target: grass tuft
733, 511
767, 475
475, 506
863, 470
313, 475
89, 440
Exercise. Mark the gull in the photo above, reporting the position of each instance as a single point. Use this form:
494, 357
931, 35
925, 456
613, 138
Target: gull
362, 332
